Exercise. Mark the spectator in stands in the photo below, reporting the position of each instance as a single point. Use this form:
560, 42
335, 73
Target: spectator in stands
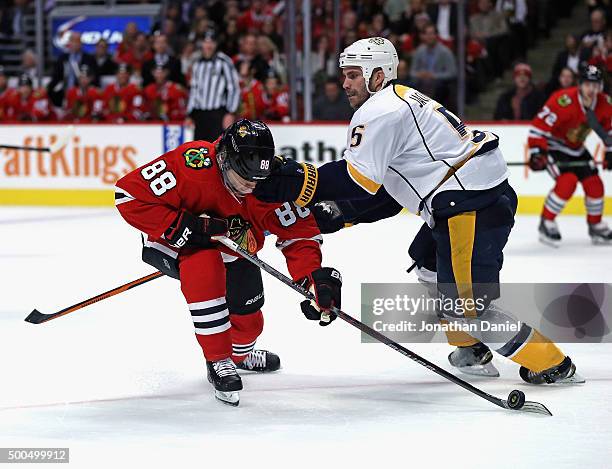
415, 11
175, 40
212, 108
443, 15
323, 62
248, 52
252, 20
164, 100
138, 54
433, 68
596, 35
378, 27
602, 58
127, 42
6, 97
267, 50
16, 16
252, 103
123, 100
105, 65
162, 55
332, 105
574, 56
29, 62
523, 100
489, 26
67, 69
29, 103
276, 99
393, 9
403, 72
349, 25
189, 55
515, 12
565, 79
269, 30
84, 101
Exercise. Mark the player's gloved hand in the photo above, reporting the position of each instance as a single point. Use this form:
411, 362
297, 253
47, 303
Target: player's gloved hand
326, 284
538, 161
608, 161
285, 183
328, 215
190, 230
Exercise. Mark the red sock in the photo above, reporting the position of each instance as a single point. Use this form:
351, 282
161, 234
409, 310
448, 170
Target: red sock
593, 200
245, 330
565, 185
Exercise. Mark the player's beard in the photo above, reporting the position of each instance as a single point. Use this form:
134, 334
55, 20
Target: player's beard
361, 97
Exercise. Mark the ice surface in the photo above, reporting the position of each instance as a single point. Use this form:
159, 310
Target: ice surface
122, 382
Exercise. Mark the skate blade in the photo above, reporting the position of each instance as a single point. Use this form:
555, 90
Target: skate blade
574, 379
549, 242
230, 398
600, 241
487, 370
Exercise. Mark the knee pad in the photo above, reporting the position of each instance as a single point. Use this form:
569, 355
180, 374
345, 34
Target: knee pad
566, 185
244, 287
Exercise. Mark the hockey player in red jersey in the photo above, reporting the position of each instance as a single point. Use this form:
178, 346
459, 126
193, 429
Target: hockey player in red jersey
122, 100
556, 143
199, 190
165, 100
276, 99
29, 104
84, 102
7, 95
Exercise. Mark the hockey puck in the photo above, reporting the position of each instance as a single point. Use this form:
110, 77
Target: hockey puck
516, 399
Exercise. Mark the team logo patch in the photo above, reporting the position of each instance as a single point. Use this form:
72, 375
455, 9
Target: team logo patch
243, 131
564, 100
240, 231
197, 158
379, 41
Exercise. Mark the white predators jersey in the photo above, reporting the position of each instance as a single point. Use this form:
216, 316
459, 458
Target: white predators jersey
415, 148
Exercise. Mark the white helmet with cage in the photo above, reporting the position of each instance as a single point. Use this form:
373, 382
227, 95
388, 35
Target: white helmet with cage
370, 54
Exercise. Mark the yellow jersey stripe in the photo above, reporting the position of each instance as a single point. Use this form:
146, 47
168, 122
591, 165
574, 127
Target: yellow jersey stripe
363, 181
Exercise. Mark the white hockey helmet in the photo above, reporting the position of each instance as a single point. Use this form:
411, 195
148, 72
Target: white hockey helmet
370, 54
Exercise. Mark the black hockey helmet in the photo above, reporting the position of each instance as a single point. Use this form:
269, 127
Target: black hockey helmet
591, 73
247, 147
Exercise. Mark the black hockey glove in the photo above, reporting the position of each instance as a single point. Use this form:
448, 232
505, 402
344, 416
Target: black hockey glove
538, 161
608, 161
329, 217
290, 181
190, 230
326, 284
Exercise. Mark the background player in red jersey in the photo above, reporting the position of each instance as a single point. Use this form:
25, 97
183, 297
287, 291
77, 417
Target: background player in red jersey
84, 101
165, 100
167, 198
122, 100
556, 143
29, 104
6, 96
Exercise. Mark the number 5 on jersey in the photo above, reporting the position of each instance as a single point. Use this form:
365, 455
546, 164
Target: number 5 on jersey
163, 182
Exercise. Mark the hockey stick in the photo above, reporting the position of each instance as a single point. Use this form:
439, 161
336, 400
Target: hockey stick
561, 164
60, 143
36, 317
516, 398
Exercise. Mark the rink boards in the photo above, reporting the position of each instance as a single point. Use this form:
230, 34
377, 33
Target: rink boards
84, 171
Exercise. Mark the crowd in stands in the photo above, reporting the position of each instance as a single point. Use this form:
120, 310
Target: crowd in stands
148, 76
591, 47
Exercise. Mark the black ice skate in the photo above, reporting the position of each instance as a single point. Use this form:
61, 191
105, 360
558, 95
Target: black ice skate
549, 233
564, 373
474, 360
260, 361
600, 233
223, 376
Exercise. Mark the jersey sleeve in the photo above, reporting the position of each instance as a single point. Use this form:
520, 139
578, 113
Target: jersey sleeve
299, 238
373, 144
149, 198
542, 125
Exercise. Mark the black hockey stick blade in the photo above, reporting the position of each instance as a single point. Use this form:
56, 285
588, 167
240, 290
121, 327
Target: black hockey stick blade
36, 317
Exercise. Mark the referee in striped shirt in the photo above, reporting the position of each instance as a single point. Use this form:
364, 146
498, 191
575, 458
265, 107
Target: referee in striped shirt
215, 92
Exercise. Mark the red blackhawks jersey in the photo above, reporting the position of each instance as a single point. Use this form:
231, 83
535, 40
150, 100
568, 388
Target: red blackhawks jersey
34, 108
7, 97
166, 102
83, 105
562, 126
122, 104
188, 179
252, 97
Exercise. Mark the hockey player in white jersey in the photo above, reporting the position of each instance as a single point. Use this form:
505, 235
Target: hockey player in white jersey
416, 153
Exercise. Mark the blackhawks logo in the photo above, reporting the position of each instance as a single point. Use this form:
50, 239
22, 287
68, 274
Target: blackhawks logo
564, 100
197, 158
240, 232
